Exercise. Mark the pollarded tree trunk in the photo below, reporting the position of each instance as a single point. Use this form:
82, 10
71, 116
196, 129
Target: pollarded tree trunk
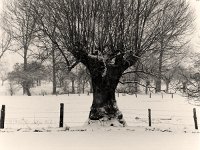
91, 89
104, 109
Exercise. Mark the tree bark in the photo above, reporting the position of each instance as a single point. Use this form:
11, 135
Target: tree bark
54, 70
28, 91
73, 87
91, 88
26, 88
147, 86
158, 85
83, 87
104, 108
160, 63
136, 80
167, 86
25, 68
26, 84
38, 82
184, 86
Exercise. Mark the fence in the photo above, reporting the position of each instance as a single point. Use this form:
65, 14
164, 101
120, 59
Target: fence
118, 94
58, 119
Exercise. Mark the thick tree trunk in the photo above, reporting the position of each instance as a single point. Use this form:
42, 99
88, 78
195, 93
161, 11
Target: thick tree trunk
91, 88
104, 109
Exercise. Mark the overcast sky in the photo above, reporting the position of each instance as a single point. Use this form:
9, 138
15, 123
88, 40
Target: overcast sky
195, 5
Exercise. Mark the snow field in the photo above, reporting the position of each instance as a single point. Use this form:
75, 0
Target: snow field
32, 124
43, 111
114, 140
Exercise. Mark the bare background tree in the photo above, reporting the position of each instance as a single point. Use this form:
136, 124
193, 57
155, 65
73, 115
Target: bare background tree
3, 72
5, 43
22, 25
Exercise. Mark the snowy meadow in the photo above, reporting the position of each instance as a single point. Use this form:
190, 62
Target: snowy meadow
167, 112
33, 123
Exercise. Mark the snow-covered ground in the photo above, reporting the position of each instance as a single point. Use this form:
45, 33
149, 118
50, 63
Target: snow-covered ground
113, 140
43, 111
32, 123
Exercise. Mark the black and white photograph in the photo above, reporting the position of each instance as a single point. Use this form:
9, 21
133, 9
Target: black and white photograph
99, 74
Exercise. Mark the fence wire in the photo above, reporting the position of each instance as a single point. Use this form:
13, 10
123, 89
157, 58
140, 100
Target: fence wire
133, 117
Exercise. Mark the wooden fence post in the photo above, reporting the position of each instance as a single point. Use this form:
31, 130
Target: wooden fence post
136, 95
172, 95
118, 94
149, 115
61, 115
162, 95
150, 95
2, 119
195, 118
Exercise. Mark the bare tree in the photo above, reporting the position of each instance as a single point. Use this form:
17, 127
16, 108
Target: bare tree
3, 72
108, 37
5, 43
172, 40
22, 26
35, 71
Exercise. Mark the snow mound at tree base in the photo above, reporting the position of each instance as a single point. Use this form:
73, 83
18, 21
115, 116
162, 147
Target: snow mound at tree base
106, 122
